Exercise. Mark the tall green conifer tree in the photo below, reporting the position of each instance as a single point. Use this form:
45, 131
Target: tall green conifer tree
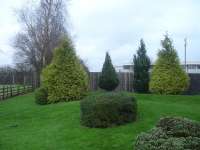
141, 68
65, 78
168, 77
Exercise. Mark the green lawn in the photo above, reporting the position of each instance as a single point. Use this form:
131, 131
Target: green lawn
27, 126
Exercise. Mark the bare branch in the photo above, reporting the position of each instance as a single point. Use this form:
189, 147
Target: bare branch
43, 29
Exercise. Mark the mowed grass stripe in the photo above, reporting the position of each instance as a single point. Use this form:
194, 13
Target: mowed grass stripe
26, 125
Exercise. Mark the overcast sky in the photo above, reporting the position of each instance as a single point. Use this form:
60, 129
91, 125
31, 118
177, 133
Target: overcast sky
117, 26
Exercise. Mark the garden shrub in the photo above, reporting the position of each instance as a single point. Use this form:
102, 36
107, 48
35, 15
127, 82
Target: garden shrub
65, 77
179, 127
171, 134
167, 76
41, 95
108, 109
108, 79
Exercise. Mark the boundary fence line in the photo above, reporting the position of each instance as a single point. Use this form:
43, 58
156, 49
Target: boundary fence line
125, 81
7, 91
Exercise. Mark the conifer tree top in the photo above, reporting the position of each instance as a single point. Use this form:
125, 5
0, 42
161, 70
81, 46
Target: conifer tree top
142, 48
64, 50
168, 51
141, 58
167, 44
107, 66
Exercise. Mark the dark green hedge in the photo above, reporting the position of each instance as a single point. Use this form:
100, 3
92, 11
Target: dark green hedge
171, 134
108, 109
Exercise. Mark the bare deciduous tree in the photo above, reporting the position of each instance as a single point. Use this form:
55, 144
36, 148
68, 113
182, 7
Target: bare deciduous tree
43, 29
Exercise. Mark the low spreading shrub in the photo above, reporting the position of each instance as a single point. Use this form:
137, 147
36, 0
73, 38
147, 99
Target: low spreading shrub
179, 127
171, 134
41, 95
108, 109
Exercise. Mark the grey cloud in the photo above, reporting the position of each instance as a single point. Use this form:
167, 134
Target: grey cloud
117, 26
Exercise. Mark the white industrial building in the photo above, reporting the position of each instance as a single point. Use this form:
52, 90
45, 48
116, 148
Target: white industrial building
191, 67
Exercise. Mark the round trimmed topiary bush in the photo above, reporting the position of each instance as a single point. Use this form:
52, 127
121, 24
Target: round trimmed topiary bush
171, 133
108, 109
41, 95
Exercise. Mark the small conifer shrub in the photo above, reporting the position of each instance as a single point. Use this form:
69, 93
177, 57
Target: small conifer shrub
41, 95
108, 79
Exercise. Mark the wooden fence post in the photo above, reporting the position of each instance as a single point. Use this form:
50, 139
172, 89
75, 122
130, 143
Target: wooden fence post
11, 94
24, 89
3, 92
17, 90
7, 94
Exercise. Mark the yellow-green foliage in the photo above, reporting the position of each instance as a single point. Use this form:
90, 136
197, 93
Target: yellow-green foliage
167, 76
65, 77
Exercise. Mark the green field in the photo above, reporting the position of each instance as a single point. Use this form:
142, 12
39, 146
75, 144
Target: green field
27, 126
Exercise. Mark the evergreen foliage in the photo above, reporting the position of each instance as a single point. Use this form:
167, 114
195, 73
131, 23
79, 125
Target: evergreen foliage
141, 69
85, 67
108, 79
65, 77
108, 109
171, 133
168, 77
41, 95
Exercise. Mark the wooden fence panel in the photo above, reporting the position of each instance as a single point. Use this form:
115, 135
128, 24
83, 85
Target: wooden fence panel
125, 81
125, 78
